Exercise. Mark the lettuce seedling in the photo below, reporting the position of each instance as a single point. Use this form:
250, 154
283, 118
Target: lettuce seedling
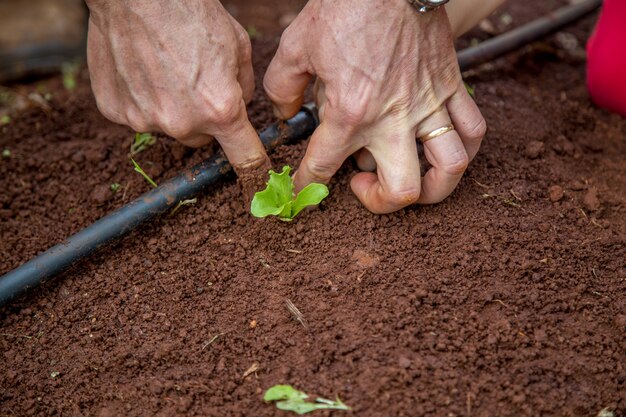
290, 399
141, 142
278, 199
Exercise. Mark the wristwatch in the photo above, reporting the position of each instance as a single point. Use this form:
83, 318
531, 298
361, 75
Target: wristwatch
424, 6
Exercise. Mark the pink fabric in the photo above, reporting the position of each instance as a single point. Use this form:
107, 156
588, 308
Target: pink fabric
606, 58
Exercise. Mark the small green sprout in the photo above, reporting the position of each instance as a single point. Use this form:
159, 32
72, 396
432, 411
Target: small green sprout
69, 71
253, 32
278, 199
290, 399
6, 153
183, 203
470, 89
143, 173
141, 142
5, 120
115, 187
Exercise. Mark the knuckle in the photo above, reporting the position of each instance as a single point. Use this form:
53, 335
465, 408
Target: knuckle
354, 112
457, 163
174, 126
477, 129
320, 170
109, 112
225, 112
136, 122
289, 44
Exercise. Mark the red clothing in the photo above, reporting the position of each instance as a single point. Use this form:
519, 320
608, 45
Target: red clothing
606, 58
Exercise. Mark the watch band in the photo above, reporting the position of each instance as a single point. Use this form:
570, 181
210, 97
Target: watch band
424, 6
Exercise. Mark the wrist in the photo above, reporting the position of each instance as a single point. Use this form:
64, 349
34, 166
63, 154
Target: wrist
425, 6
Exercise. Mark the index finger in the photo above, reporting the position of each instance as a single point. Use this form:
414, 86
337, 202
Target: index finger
240, 142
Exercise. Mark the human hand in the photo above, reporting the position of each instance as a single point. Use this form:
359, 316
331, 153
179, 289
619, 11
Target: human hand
385, 75
180, 67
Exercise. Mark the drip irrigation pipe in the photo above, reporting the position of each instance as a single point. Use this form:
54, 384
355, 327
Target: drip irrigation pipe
516, 38
197, 179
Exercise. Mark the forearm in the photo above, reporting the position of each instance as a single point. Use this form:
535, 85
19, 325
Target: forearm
465, 14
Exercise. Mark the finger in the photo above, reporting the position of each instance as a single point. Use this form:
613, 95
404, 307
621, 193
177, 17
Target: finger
365, 160
467, 119
325, 154
319, 94
245, 77
448, 157
103, 77
285, 79
240, 142
396, 183
197, 140
138, 121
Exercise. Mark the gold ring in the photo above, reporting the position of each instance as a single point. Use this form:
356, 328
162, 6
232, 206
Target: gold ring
437, 132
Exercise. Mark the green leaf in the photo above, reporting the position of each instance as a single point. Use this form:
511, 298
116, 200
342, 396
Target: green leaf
290, 399
141, 142
278, 198
470, 89
283, 392
311, 195
143, 173
70, 70
297, 406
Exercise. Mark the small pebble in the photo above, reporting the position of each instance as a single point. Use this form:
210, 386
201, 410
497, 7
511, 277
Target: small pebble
534, 149
101, 194
556, 193
404, 362
591, 200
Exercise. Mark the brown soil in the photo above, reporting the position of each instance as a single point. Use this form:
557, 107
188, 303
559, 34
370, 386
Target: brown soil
505, 300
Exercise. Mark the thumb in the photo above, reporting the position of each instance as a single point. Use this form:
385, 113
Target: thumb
285, 79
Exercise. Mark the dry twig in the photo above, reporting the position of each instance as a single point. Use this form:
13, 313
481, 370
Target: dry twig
296, 313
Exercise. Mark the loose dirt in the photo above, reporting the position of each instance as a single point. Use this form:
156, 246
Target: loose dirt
505, 300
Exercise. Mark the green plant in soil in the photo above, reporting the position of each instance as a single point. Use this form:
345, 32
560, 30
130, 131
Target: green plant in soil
278, 198
470, 89
143, 173
115, 187
288, 398
253, 32
181, 203
141, 142
70, 70
6, 153
5, 120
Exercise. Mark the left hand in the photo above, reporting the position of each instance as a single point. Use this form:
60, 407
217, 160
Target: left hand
385, 75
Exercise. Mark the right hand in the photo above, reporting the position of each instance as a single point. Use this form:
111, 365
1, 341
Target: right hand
180, 67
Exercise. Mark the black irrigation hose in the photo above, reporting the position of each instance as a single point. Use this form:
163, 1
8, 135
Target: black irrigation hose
198, 178
158, 201
516, 38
